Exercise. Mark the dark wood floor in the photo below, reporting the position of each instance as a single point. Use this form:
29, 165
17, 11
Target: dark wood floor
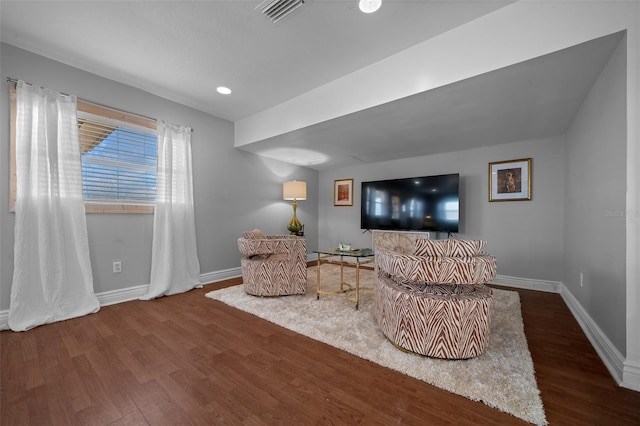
187, 359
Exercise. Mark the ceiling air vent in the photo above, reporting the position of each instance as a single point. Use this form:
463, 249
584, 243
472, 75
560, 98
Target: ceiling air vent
278, 9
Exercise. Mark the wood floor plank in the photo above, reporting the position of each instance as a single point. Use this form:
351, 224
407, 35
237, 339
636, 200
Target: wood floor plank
187, 359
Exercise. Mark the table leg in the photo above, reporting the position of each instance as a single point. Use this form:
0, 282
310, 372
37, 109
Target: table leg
341, 273
318, 278
357, 282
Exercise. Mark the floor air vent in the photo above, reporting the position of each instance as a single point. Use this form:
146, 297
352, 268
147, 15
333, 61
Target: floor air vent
278, 9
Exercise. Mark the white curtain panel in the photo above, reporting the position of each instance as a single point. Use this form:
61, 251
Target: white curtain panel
174, 258
52, 278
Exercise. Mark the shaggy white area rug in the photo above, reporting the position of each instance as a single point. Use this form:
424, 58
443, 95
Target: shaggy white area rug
503, 377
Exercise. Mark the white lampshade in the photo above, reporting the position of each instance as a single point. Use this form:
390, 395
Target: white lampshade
294, 190
369, 6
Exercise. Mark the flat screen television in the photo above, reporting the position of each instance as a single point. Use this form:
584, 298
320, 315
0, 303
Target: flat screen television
427, 203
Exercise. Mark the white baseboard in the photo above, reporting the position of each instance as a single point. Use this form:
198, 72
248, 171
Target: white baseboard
631, 376
121, 295
4, 320
127, 294
225, 274
528, 283
623, 373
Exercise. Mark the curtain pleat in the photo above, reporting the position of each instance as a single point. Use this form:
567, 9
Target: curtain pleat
52, 279
174, 259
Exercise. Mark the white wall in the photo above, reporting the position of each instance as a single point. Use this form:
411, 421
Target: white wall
631, 372
595, 214
525, 236
233, 190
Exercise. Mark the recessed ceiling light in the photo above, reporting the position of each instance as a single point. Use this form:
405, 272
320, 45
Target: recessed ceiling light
369, 6
224, 90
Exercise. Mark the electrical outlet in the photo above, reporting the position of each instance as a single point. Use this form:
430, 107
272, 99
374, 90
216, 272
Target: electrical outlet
581, 278
117, 266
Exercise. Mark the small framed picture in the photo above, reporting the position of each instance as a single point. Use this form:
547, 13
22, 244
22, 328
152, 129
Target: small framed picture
343, 192
510, 180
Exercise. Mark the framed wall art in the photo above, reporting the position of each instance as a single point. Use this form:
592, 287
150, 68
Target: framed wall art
343, 192
510, 180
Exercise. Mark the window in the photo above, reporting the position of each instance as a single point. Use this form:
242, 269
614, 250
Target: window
119, 159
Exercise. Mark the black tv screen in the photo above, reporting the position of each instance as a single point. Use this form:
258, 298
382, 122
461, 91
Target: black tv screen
428, 203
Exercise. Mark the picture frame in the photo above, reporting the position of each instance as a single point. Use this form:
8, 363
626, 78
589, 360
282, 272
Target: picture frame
343, 192
510, 180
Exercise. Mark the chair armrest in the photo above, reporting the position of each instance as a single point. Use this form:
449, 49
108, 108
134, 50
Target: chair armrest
272, 245
432, 270
282, 237
408, 266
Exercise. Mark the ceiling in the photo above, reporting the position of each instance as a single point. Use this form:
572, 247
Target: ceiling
531, 100
183, 50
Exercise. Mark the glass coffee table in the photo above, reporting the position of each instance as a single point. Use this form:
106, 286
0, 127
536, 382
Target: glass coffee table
330, 256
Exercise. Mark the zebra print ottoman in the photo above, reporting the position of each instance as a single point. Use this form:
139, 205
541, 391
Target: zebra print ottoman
450, 321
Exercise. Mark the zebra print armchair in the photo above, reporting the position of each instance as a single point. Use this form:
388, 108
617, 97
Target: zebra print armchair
430, 296
273, 265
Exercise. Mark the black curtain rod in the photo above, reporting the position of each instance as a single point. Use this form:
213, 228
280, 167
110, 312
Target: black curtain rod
15, 81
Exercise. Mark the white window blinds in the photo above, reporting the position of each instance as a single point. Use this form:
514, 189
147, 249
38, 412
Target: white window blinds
118, 161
